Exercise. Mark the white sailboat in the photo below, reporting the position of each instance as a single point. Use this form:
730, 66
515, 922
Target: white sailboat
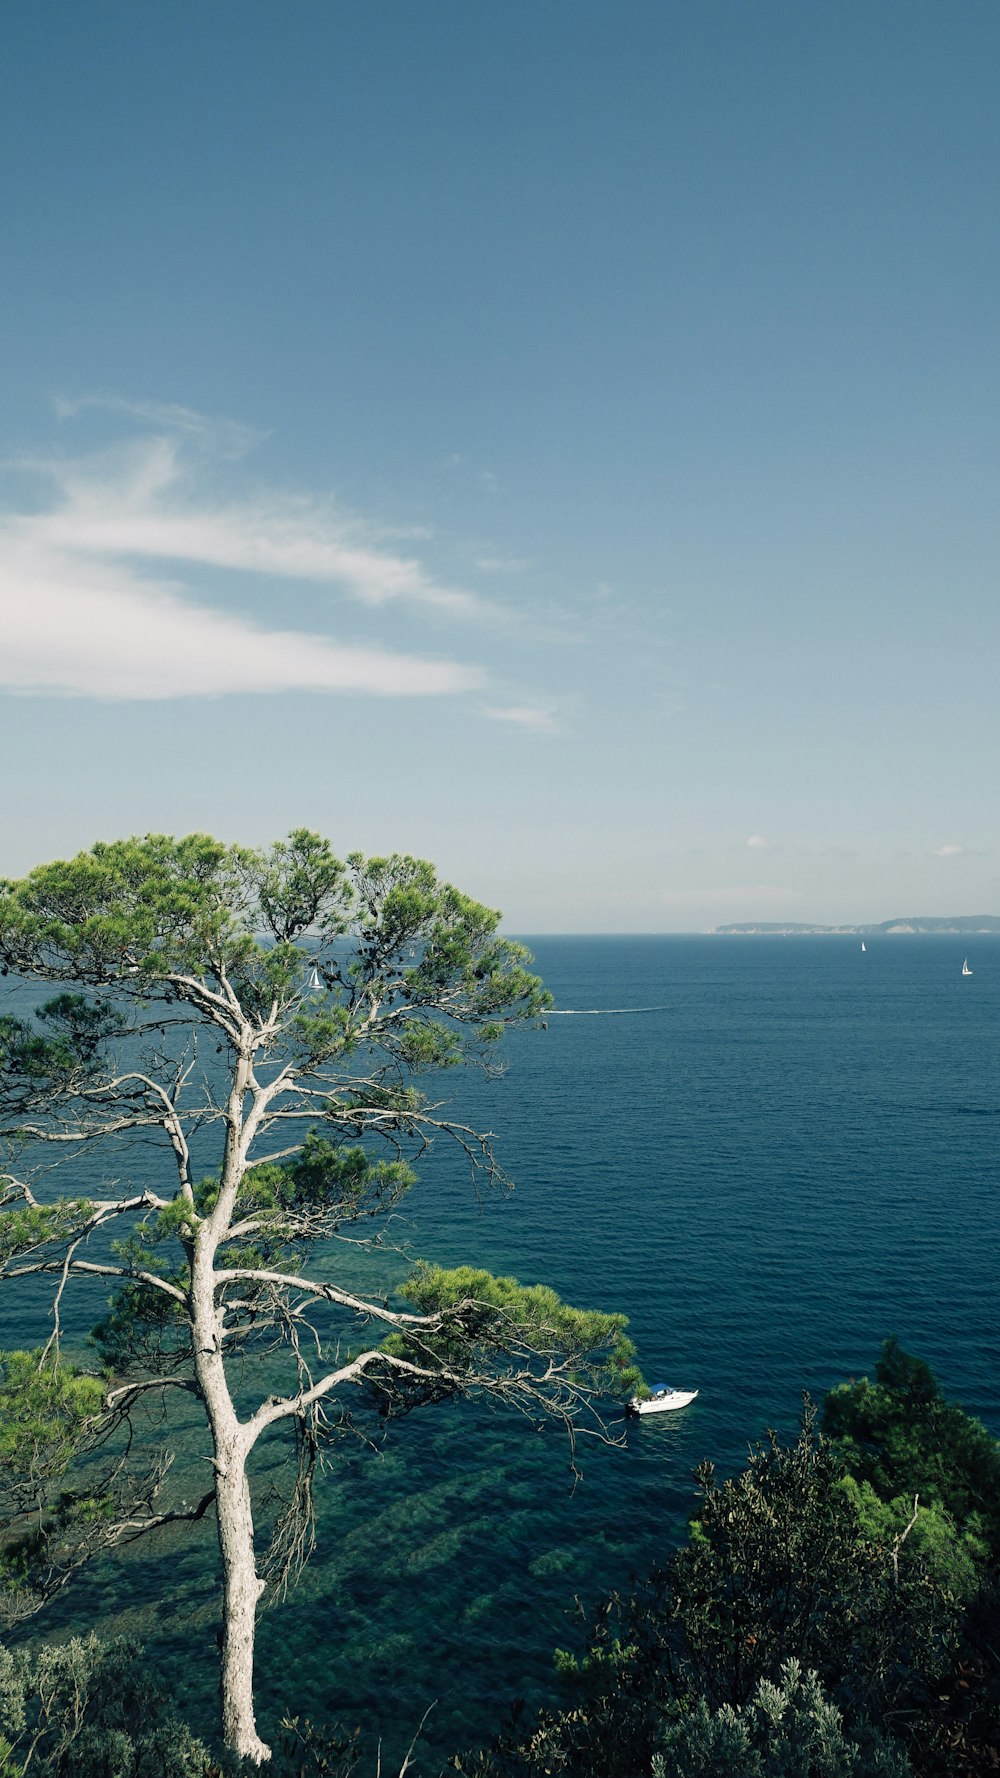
863, 946
314, 982
965, 967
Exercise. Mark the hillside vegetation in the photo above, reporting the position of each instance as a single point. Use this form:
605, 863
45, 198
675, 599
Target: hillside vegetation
831, 1615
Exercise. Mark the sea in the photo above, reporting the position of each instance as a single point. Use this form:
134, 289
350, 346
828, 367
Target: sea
769, 1153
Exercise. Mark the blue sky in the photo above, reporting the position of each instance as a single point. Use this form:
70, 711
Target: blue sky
559, 440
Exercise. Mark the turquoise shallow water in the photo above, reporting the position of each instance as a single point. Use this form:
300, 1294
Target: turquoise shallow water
794, 1157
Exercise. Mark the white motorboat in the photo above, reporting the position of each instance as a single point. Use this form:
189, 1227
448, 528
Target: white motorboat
662, 1400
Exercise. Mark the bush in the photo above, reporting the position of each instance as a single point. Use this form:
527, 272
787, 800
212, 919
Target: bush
89, 1709
789, 1729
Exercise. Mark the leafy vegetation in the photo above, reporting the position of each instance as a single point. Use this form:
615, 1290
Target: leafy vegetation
91, 1709
833, 1609
819, 1620
900, 1437
322, 992
805, 1630
788, 1727
502, 1319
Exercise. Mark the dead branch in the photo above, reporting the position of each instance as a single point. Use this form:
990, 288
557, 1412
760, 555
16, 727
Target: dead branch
901, 1539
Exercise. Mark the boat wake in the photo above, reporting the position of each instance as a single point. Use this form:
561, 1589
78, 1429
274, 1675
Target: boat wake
599, 1012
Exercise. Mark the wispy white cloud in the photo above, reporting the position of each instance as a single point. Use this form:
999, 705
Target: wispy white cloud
223, 437
89, 607
527, 716
502, 564
92, 631
141, 500
757, 842
947, 851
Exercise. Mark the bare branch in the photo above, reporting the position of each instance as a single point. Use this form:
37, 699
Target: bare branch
90, 1268
274, 1410
129, 1392
901, 1539
293, 1539
53, 1339
129, 1529
331, 1293
408, 1760
88, 1133
66, 1537
14, 1189
223, 1010
170, 1120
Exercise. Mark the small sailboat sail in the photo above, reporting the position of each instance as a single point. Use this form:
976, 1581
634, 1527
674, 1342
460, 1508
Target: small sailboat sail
314, 982
965, 967
863, 946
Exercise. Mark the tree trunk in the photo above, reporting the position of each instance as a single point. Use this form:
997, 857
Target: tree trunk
241, 1592
234, 1514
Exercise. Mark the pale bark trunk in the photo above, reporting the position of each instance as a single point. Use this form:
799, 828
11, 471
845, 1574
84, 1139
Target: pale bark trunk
241, 1592
231, 1443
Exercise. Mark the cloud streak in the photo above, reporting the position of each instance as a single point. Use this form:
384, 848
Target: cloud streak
90, 602
539, 719
138, 501
99, 635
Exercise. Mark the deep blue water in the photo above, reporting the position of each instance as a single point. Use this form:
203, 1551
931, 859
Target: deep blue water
794, 1157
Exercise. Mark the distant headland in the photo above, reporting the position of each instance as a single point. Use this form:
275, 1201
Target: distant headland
957, 923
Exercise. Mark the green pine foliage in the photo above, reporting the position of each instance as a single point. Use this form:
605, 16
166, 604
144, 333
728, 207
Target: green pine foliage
484, 1316
45, 1410
33, 1226
285, 1007
50, 1498
138, 911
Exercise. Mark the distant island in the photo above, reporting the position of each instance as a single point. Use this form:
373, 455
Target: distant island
957, 923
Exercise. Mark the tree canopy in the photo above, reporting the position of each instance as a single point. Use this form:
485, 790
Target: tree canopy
901, 1436
271, 1021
